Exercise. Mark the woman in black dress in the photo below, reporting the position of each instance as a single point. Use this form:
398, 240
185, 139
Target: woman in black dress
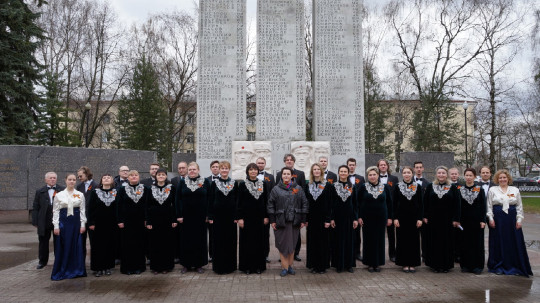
131, 203
318, 220
408, 213
441, 216
252, 218
374, 215
287, 209
344, 220
223, 217
102, 226
473, 220
192, 212
161, 221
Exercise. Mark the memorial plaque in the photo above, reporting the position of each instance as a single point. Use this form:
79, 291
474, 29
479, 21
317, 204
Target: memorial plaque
338, 79
280, 74
245, 152
221, 81
23, 168
308, 152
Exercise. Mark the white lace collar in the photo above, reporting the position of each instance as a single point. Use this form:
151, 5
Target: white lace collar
106, 196
408, 190
344, 192
161, 194
316, 189
255, 188
193, 185
135, 193
375, 191
441, 190
225, 186
469, 194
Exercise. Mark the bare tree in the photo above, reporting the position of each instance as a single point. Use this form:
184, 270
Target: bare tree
437, 41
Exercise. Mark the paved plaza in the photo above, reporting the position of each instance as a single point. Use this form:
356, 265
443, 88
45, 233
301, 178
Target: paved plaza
21, 282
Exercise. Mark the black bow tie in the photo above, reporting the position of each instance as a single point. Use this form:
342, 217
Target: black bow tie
215, 178
384, 176
484, 183
49, 187
261, 173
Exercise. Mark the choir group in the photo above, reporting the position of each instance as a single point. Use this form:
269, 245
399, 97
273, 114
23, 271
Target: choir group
158, 222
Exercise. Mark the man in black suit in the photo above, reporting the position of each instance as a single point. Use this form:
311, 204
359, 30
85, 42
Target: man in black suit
152, 180
269, 179
214, 169
42, 215
122, 177
486, 183
356, 180
300, 178
182, 173
392, 181
86, 186
420, 180
328, 175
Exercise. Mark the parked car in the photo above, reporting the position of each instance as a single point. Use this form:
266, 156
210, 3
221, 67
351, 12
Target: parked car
537, 179
525, 180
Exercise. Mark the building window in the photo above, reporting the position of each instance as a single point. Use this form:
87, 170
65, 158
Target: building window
190, 151
190, 118
104, 137
251, 120
106, 119
190, 138
251, 136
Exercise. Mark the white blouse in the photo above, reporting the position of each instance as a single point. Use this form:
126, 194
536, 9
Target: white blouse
511, 197
64, 199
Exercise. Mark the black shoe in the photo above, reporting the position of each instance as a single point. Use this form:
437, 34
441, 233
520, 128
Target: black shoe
464, 269
267, 260
297, 258
351, 270
322, 271
137, 272
359, 257
98, 274
377, 269
176, 261
40, 266
210, 260
108, 272
248, 272
477, 271
393, 259
258, 271
371, 269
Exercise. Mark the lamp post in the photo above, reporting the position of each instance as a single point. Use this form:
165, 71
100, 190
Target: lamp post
465, 106
87, 108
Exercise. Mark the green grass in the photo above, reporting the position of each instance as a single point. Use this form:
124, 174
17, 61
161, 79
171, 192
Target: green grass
531, 205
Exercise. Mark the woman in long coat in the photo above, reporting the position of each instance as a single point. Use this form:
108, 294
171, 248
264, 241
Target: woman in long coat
223, 217
131, 202
287, 209
102, 226
374, 215
507, 251
473, 221
318, 193
192, 212
442, 212
69, 220
408, 213
252, 218
344, 220
161, 221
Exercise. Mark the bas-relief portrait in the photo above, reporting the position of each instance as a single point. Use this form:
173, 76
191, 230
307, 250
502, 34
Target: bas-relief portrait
307, 153
245, 152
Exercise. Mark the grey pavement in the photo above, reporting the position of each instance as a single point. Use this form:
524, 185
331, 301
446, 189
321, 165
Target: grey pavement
21, 282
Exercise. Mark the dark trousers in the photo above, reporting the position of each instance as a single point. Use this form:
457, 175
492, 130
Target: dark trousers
43, 252
391, 231
266, 242
298, 244
357, 241
210, 240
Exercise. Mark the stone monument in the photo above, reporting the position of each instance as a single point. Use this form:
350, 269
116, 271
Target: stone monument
280, 74
308, 152
245, 152
338, 79
221, 91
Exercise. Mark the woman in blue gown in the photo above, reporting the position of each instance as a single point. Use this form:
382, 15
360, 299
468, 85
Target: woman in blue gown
69, 221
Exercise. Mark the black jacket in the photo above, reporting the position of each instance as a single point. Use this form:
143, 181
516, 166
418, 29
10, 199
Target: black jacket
42, 209
298, 177
287, 205
331, 177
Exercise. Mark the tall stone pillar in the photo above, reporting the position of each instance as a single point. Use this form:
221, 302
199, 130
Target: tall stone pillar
338, 80
281, 108
221, 81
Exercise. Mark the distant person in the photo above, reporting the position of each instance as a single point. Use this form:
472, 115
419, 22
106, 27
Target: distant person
152, 180
182, 173
122, 178
328, 175
356, 180
454, 175
387, 178
507, 251
87, 185
69, 220
42, 215
485, 181
423, 182
214, 170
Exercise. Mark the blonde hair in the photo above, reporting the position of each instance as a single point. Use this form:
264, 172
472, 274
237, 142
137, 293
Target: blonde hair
133, 172
503, 171
225, 164
311, 178
193, 163
436, 181
372, 168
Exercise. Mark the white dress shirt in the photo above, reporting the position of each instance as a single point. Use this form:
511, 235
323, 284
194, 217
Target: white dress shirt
260, 176
418, 180
384, 178
51, 191
67, 200
497, 197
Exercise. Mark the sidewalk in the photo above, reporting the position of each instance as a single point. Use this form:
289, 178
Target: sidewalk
23, 283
